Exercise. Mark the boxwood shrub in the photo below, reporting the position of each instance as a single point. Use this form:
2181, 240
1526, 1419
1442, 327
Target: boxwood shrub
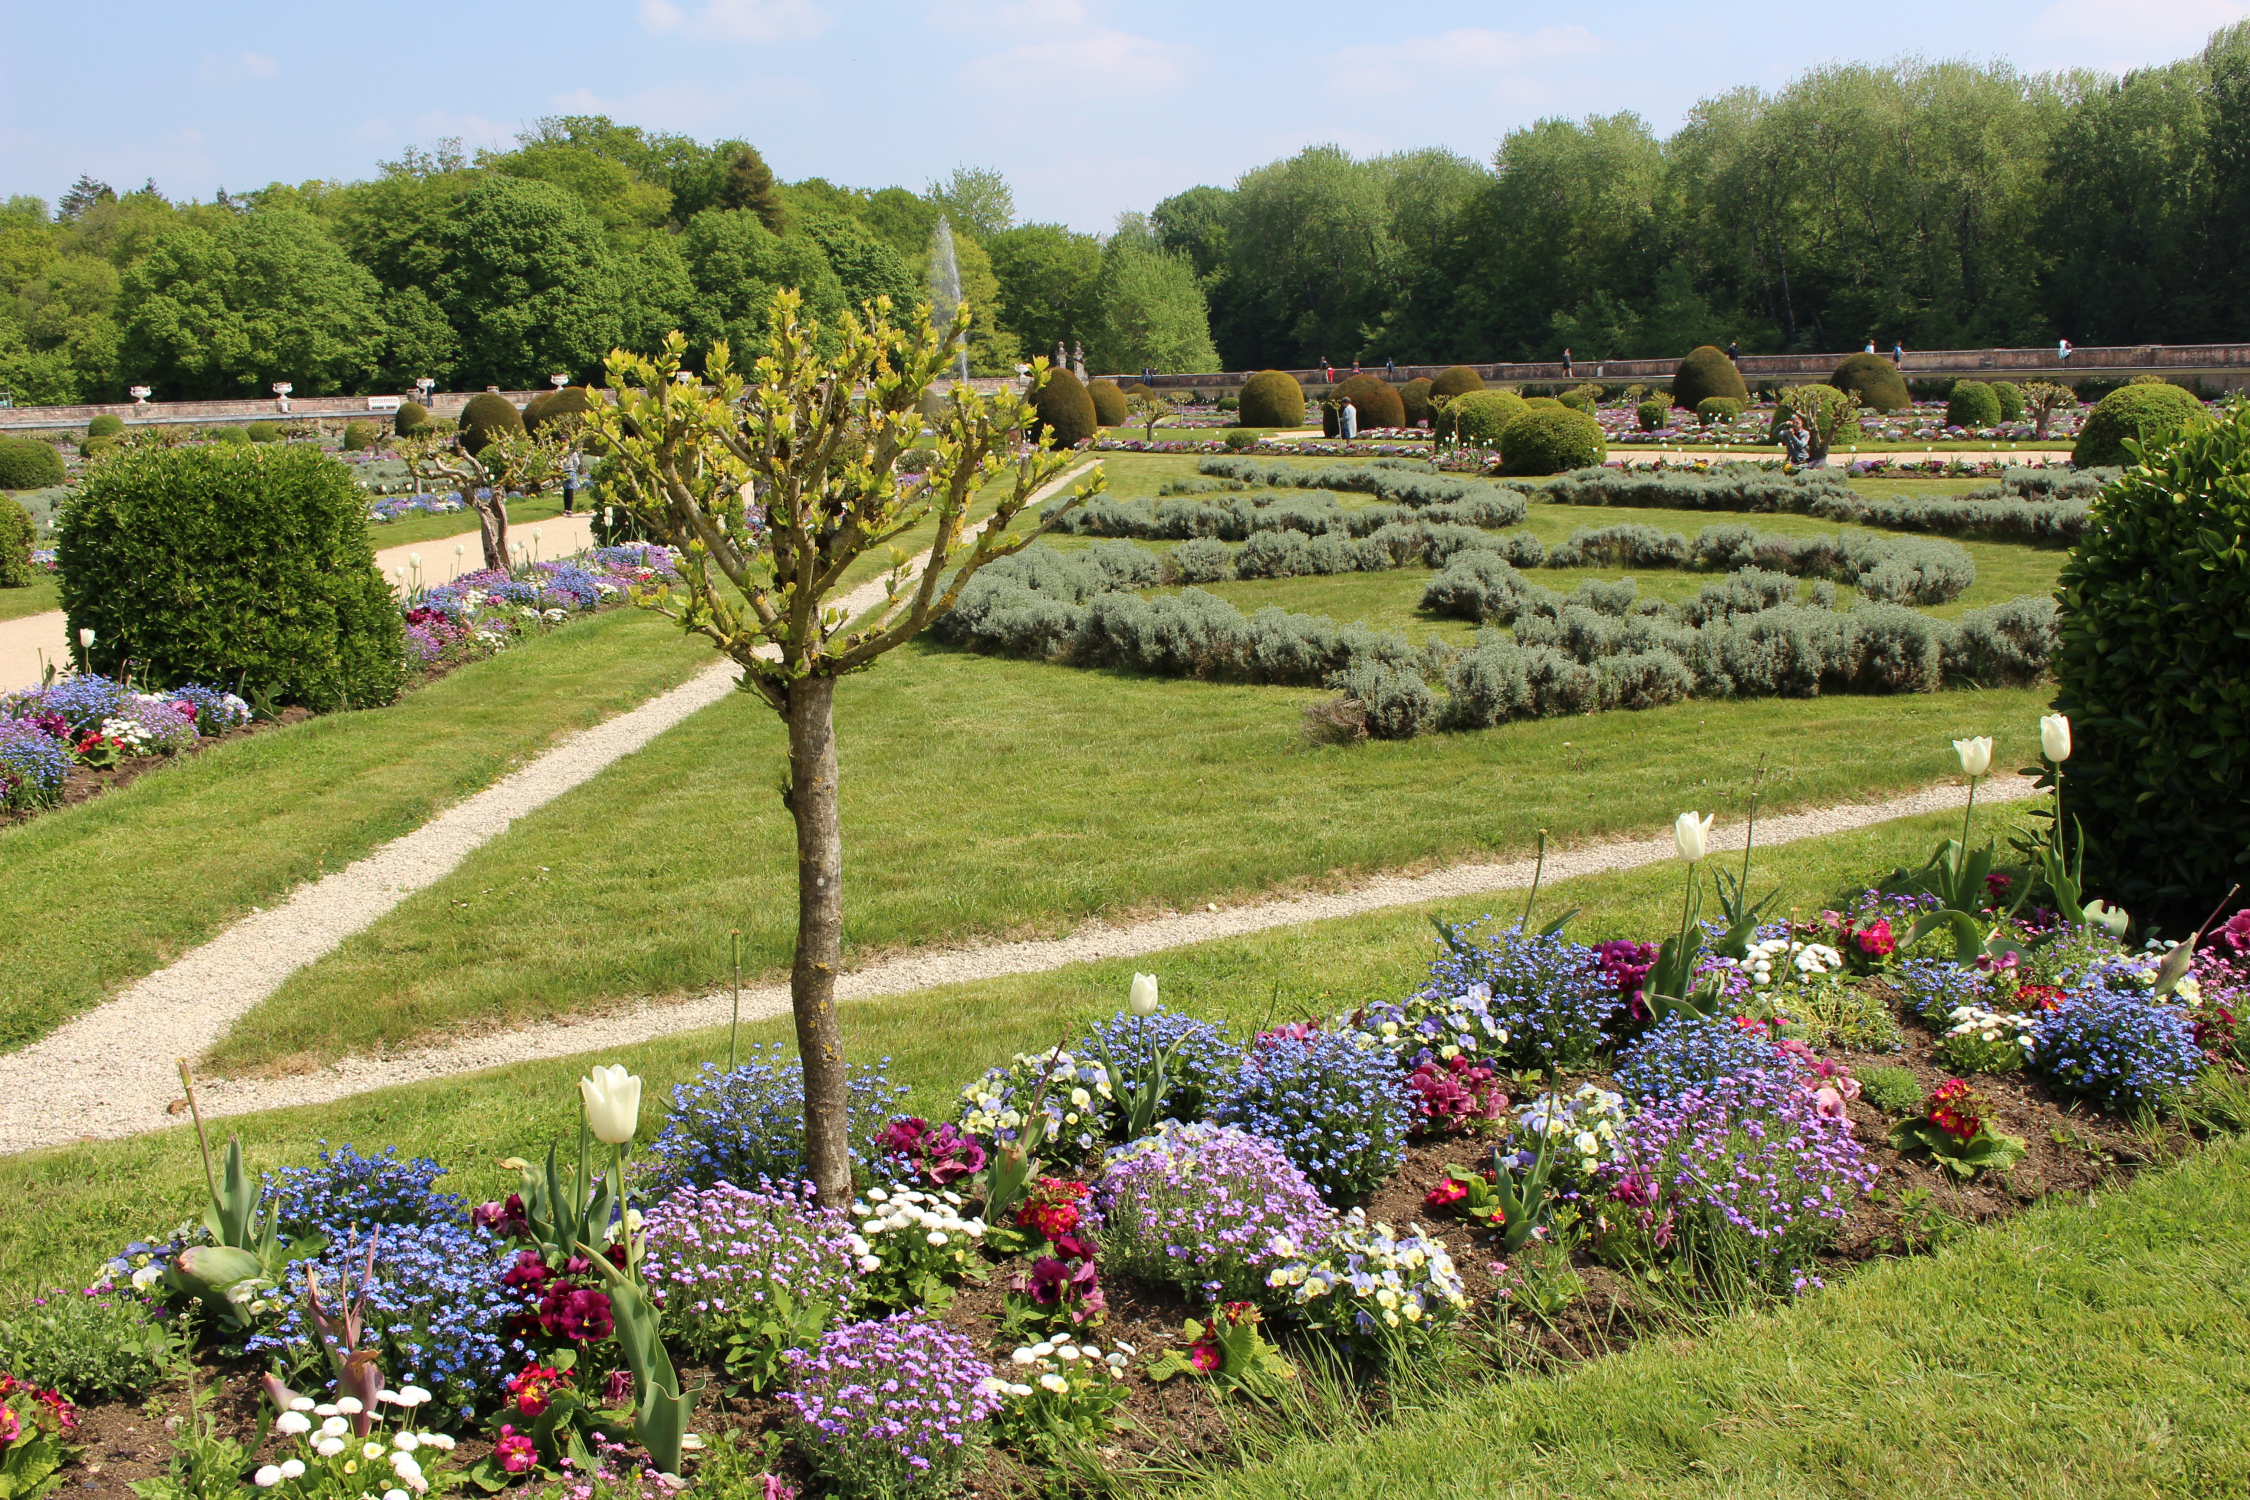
2154, 671
17, 532
1714, 409
1873, 380
1109, 402
1480, 417
1706, 372
1271, 398
29, 464
489, 416
411, 420
1552, 441
1456, 380
234, 565
263, 432
108, 424
2141, 412
1377, 402
1415, 397
1972, 403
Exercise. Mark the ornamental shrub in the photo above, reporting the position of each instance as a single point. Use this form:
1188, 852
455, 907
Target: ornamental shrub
1378, 401
1066, 412
747, 1127
1871, 380
1552, 442
1652, 414
742, 1274
412, 419
233, 565
1271, 398
1685, 1051
107, 424
17, 532
358, 436
1706, 372
95, 447
566, 406
1972, 404
1479, 418
1240, 440
1546, 994
263, 432
2010, 397
29, 464
488, 416
1335, 1105
1198, 1207
1109, 402
890, 1410
2154, 672
1712, 410
2147, 413
1415, 397
2110, 1044
231, 435
1456, 381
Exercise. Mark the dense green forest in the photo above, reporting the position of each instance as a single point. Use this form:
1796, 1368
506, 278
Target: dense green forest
1942, 204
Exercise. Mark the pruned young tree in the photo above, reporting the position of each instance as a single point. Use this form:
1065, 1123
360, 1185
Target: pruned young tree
1149, 408
772, 484
511, 464
2042, 399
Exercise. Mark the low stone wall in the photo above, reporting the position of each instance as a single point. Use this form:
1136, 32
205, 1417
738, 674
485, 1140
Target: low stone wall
159, 413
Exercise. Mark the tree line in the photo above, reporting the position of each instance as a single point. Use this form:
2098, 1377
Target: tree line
1943, 204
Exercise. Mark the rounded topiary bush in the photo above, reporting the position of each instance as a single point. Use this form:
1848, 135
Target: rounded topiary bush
108, 424
263, 432
1552, 441
1873, 381
1972, 404
1240, 440
1109, 402
2010, 397
1652, 414
1271, 398
1706, 372
234, 435
1415, 397
1479, 418
95, 447
1713, 409
411, 420
2154, 672
1378, 402
29, 464
233, 565
565, 407
358, 436
17, 532
1066, 412
1456, 380
1544, 403
488, 417
2141, 412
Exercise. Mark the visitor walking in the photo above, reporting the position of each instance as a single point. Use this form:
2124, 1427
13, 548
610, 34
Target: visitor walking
1347, 421
1898, 352
1734, 352
570, 485
1355, 367
1566, 362
1327, 371
2063, 351
1390, 368
1870, 349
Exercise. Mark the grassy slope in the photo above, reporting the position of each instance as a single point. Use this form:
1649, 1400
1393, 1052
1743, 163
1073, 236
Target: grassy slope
2086, 1349
77, 1203
984, 797
111, 889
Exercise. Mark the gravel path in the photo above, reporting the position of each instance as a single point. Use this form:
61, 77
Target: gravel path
108, 1075
110, 1072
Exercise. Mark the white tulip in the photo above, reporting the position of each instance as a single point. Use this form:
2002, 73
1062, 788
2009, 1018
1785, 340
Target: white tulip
1976, 755
1143, 1001
1692, 836
86, 637
2054, 737
414, 559
613, 1103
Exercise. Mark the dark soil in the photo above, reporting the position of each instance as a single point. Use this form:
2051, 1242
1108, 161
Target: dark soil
1914, 1207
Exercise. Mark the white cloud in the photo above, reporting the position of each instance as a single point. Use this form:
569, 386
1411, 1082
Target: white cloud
1500, 57
736, 20
221, 71
1097, 64
2147, 30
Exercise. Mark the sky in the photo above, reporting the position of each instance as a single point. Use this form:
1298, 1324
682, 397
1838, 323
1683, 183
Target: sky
1090, 108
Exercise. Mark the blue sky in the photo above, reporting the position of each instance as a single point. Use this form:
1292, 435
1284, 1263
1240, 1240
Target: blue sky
1089, 107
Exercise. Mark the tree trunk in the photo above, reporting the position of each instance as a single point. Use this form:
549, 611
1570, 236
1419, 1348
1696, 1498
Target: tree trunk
492, 528
820, 933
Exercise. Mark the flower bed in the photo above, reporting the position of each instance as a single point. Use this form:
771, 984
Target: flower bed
1162, 1214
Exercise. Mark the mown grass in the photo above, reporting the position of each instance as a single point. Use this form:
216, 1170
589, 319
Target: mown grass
523, 514
38, 598
71, 1205
106, 891
984, 797
2090, 1348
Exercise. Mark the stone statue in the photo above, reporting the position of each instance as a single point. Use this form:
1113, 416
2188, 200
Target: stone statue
1078, 361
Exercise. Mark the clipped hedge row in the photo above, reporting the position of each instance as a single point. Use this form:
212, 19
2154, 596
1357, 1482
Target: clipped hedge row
1399, 483
1236, 517
2028, 506
1901, 570
1598, 648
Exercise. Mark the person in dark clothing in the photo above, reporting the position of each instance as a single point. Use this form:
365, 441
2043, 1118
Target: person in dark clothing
1734, 351
1795, 441
1898, 352
1390, 368
1566, 363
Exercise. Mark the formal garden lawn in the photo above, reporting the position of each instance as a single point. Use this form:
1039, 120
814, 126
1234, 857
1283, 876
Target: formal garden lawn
37, 599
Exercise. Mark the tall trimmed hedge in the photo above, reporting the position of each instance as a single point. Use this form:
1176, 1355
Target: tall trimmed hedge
1552, 442
1704, 373
28, 464
1972, 403
1480, 417
1415, 397
1109, 402
17, 532
1456, 380
233, 564
1378, 402
411, 420
2141, 412
488, 417
1066, 412
2010, 397
1873, 380
571, 401
1271, 398
2153, 668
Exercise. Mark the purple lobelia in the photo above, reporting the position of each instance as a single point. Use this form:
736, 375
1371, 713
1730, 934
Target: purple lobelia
742, 1275
892, 1408
1202, 1206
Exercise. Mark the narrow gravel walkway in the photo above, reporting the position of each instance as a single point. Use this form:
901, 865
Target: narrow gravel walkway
133, 1098
110, 1072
